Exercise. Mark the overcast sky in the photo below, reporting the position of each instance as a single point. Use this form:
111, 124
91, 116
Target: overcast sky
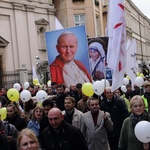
144, 6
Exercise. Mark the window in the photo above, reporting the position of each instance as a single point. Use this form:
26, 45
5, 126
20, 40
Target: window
79, 19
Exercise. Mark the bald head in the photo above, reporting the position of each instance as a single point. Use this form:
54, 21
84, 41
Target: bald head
55, 117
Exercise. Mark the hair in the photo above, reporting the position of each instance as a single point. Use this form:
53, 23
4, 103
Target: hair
90, 99
65, 33
37, 107
70, 98
27, 132
136, 98
14, 107
61, 86
48, 102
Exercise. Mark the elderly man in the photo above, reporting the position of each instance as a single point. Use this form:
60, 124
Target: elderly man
60, 135
118, 111
65, 69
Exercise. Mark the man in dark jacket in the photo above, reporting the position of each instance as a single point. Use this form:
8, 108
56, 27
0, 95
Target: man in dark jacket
118, 111
60, 135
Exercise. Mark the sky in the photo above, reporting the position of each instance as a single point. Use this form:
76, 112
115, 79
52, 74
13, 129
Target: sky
144, 6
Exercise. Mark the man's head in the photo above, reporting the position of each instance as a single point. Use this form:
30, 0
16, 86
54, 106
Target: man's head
108, 93
67, 46
69, 103
55, 117
60, 89
47, 105
147, 87
93, 104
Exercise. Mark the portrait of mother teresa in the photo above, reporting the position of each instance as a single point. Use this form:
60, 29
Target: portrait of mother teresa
97, 60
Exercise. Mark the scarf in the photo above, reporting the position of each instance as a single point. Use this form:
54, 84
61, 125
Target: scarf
136, 118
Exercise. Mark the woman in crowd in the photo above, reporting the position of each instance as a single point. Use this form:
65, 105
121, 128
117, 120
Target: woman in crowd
33, 124
14, 117
128, 140
27, 140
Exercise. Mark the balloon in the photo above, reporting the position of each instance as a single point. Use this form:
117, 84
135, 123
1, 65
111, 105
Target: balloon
98, 87
123, 88
3, 113
41, 95
87, 89
17, 86
13, 95
49, 83
26, 85
128, 77
35, 81
25, 95
126, 81
139, 81
142, 131
105, 82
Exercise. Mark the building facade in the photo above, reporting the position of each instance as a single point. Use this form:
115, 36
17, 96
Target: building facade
22, 27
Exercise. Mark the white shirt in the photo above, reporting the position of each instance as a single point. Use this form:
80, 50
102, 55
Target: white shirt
73, 75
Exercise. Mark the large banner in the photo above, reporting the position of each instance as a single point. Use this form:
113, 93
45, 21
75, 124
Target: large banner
97, 53
68, 56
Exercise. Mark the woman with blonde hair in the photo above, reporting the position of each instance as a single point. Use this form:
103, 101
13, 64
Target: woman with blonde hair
27, 140
33, 124
128, 140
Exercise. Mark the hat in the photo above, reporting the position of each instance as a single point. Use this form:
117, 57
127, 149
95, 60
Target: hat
97, 47
146, 84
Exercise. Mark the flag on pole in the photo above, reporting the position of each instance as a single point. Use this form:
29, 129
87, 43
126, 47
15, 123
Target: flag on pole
131, 63
116, 55
58, 24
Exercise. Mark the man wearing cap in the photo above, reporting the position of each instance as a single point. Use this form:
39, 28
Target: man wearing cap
146, 96
97, 60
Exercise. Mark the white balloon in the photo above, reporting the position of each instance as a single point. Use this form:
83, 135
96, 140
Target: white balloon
103, 83
17, 86
41, 95
142, 131
25, 95
123, 88
126, 81
98, 87
26, 85
139, 81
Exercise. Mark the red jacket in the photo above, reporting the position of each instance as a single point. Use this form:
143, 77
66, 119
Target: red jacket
56, 70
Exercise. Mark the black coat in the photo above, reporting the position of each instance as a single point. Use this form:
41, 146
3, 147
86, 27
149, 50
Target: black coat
118, 111
18, 122
68, 138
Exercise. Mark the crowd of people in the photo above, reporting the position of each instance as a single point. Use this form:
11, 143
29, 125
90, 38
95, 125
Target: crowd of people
70, 120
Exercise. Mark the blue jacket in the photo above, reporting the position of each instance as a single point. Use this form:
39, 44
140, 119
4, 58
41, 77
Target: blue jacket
35, 126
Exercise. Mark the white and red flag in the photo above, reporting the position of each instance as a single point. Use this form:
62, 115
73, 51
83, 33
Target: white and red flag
116, 54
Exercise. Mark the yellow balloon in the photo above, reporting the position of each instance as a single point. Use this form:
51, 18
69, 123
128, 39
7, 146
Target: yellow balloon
13, 95
128, 77
87, 89
141, 75
39, 104
35, 81
138, 74
49, 82
3, 113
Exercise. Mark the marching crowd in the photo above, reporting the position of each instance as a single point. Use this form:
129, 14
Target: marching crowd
70, 120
